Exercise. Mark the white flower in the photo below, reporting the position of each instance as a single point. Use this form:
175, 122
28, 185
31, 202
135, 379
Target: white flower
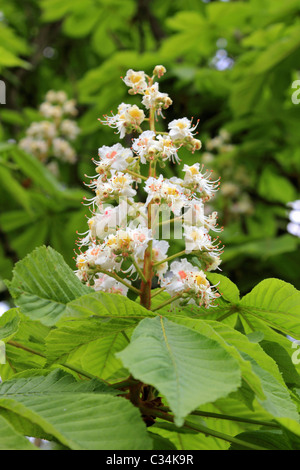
69, 107
151, 146
127, 120
200, 182
213, 263
62, 149
187, 279
143, 144
107, 221
194, 213
164, 191
167, 148
69, 129
159, 253
153, 98
51, 111
118, 185
96, 255
105, 283
196, 239
115, 158
56, 96
136, 81
42, 130
37, 147
129, 241
180, 129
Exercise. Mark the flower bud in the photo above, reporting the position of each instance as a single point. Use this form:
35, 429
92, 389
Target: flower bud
197, 144
159, 70
167, 102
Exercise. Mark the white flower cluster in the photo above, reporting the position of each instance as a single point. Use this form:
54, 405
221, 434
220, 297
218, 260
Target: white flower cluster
119, 251
50, 138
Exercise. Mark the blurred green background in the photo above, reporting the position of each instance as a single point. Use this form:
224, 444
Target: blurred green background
230, 64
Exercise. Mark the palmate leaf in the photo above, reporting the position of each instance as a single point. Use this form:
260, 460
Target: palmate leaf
188, 368
75, 414
275, 302
43, 284
91, 317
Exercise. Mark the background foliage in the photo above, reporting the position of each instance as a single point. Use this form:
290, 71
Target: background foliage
231, 64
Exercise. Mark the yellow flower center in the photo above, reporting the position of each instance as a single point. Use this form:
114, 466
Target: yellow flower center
200, 280
120, 180
135, 113
80, 262
135, 78
171, 191
194, 170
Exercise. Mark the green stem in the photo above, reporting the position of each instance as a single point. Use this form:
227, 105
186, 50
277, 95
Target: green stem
124, 384
202, 429
120, 279
225, 315
161, 133
141, 213
159, 291
140, 272
247, 321
125, 336
136, 175
207, 414
167, 302
177, 255
145, 297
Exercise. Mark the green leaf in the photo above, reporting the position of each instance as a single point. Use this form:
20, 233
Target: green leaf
161, 443
76, 416
91, 317
278, 50
36, 171
25, 350
226, 287
275, 302
278, 402
8, 59
235, 343
12, 440
284, 361
17, 192
98, 357
159, 353
275, 187
271, 440
9, 324
43, 284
